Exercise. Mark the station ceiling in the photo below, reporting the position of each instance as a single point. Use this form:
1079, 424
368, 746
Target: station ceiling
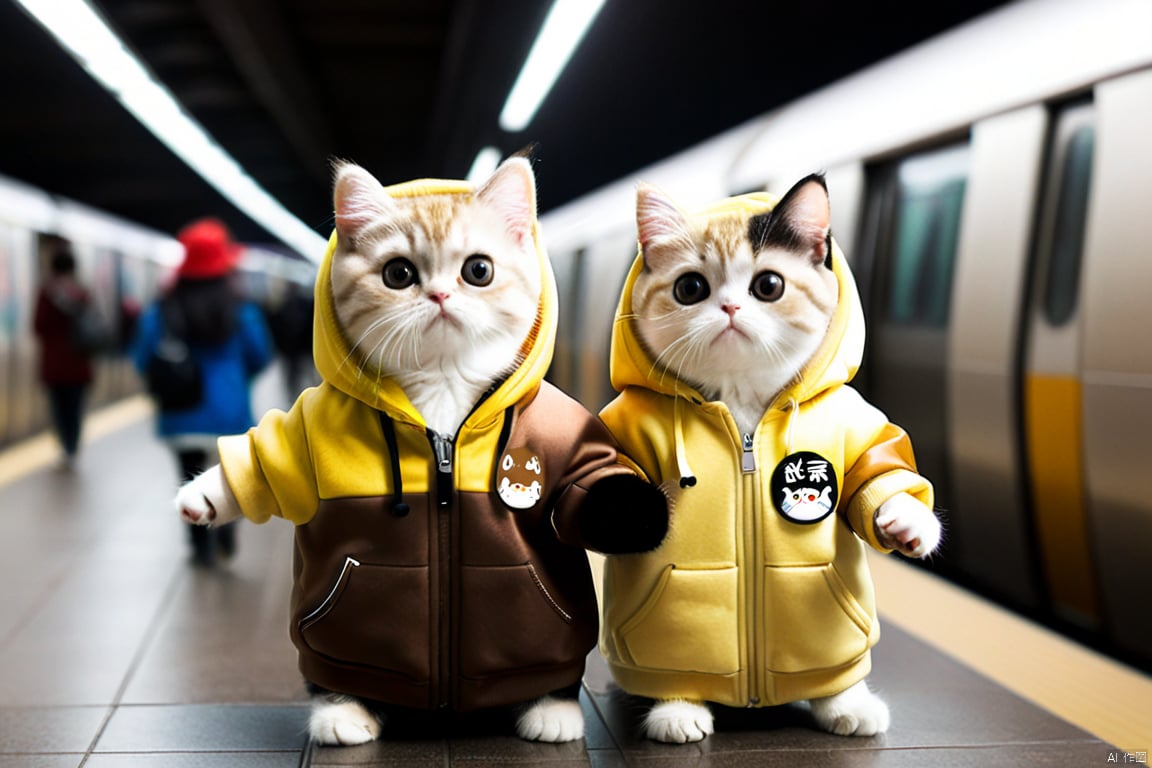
413, 88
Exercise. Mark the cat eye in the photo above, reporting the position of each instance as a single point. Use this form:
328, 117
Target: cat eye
691, 288
400, 273
767, 286
478, 270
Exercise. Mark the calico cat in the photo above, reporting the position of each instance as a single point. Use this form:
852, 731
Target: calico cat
432, 571
743, 305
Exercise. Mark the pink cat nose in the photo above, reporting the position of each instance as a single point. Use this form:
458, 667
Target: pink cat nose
731, 309
439, 297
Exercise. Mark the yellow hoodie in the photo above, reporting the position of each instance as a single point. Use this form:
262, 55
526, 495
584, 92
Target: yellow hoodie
418, 581
750, 600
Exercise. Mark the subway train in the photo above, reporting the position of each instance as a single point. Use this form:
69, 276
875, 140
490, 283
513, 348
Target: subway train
992, 189
123, 265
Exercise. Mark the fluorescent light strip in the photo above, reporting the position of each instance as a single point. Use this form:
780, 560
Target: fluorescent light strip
485, 163
563, 29
84, 34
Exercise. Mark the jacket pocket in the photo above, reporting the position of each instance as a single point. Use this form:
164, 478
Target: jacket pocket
813, 619
510, 619
690, 623
376, 616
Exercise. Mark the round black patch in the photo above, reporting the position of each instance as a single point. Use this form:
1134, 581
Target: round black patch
804, 487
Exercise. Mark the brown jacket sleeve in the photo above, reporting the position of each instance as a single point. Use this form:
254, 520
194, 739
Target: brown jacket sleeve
883, 469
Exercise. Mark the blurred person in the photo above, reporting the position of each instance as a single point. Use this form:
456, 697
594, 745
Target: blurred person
65, 368
227, 337
291, 325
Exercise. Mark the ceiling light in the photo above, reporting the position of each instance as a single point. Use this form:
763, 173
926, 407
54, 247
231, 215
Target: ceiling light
563, 29
84, 34
485, 163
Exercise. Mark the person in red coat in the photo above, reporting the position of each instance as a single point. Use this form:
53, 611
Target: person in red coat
65, 371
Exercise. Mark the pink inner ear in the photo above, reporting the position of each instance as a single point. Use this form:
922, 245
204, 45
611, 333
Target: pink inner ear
658, 219
811, 217
358, 201
512, 191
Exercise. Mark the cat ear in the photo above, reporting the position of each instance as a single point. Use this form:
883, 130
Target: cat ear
659, 220
359, 199
511, 190
805, 212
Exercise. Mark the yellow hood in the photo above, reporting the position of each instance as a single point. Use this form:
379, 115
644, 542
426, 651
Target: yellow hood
835, 362
331, 351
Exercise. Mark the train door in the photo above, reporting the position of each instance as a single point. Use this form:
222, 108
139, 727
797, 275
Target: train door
9, 307
994, 542
912, 222
1117, 357
568, 271
28, 406
1052, 388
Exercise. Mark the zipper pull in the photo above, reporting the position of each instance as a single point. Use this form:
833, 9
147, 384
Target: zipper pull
443, 448
749, 457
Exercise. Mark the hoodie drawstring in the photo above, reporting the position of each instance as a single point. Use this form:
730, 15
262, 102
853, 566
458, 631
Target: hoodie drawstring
399, 508
792, 407
687, 479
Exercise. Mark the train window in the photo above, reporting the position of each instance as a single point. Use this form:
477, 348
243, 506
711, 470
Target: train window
1074, 177
929, 198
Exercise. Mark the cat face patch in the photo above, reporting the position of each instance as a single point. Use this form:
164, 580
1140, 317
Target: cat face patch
520, 478
804, 488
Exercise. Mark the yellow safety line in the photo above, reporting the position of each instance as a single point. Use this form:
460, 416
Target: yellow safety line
1104, 697
42, 450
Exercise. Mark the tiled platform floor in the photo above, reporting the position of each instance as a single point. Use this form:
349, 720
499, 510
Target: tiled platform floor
943, 716
115, 651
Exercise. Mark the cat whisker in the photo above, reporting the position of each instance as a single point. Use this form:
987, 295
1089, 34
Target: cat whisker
680, 352
382, 321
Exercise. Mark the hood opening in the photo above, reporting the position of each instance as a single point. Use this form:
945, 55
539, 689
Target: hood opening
835, 362
331, 351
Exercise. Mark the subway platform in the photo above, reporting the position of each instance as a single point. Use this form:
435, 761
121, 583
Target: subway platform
115, 651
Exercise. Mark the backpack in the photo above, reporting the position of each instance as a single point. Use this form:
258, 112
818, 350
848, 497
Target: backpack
90, 334
173, 375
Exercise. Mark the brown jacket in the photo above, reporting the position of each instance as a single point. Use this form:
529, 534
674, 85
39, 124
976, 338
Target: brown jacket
448, 597
430, 574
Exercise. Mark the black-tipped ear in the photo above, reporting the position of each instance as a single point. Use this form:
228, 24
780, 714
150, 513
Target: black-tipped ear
801, 221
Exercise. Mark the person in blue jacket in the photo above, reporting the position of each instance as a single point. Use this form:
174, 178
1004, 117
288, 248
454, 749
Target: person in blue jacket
229, 339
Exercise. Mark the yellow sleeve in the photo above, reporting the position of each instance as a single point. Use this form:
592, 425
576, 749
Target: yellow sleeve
270, 468
882, 468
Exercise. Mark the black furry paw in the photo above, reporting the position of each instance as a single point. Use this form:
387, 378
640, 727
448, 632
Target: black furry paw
623, 514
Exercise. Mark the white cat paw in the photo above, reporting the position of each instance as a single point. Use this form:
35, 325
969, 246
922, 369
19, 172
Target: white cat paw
678, 722
906, 525
342, 724
854, 712
206, 499
552, 720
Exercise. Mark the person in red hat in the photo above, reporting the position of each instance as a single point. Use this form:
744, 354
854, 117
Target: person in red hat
229, 341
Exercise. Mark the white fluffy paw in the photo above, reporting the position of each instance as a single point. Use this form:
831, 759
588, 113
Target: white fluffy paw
552, 720
342, 723
906, 525
678, 722
854, 712
206, 499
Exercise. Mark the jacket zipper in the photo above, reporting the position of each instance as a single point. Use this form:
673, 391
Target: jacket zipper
748, 458
443, 449
753, 569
